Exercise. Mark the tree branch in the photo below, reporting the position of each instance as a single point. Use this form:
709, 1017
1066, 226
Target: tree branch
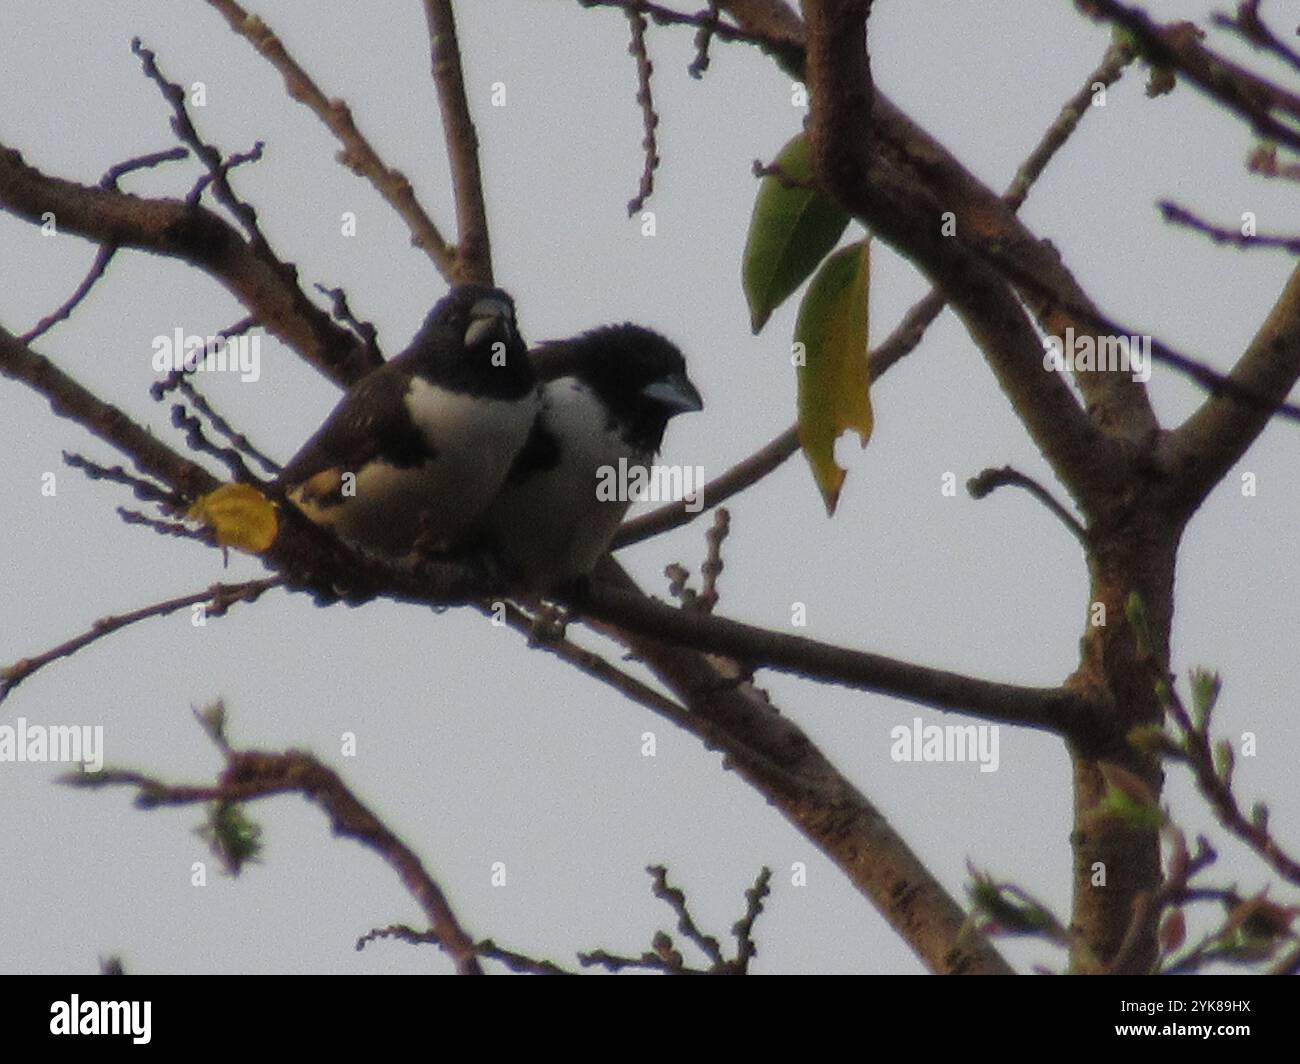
1199, 453
358, 154
474, 251
250, 775
196, 236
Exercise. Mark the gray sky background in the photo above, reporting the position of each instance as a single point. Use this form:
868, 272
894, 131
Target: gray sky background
474, 748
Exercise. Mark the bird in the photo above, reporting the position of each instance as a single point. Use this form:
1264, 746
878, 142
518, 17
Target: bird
416, 450
606, 400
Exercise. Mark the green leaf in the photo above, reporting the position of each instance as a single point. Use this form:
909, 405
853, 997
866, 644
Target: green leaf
831, 355
1206, 686
790, 232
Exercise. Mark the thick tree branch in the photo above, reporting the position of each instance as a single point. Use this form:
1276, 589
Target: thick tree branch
1201, 451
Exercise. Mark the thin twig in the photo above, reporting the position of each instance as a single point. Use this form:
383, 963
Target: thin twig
195, 438
1250, 27
183, 126
1247, 95
588, 662
703, 38
990, 480
342, 312
713, 564
141, 488
676, 900
743, 929
238, 440
358, 154
220, 597
649, 119
250, 775
1220, 235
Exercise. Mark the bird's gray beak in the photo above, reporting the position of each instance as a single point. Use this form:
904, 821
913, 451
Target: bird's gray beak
675, 392
490, 321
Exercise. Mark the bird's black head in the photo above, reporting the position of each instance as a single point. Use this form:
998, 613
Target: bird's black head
470, 341
638, 374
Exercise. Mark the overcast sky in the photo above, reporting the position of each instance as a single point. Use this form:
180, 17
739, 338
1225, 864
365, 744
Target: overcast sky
472, 747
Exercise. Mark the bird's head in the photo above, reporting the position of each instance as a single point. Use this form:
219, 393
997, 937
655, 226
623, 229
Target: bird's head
639, 374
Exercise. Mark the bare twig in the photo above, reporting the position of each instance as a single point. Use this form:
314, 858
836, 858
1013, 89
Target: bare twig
106, 251
218, 597
1247, 95
141, 488
237, 439
365, 330
713, 564
211, 158
198, 441
1251, 27
649, 119
250, 775
743, 929
676, 900
1220, 235
592, 664
358, 154
487, 949
703, 38
990, 480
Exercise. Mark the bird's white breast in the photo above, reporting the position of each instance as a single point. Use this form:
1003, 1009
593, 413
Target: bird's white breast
552, 526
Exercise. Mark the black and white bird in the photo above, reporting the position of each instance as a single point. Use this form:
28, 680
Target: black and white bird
608, 396
413, 454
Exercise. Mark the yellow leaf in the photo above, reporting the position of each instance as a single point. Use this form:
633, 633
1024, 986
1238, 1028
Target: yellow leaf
833, 376
240, 515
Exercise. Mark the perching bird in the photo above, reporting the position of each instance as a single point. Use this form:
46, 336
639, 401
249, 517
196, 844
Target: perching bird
609, 395
413, 454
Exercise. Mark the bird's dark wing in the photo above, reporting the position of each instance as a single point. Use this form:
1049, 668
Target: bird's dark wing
370, 422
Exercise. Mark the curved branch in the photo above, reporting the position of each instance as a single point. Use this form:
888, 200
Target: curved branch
1199, 453
196, 236
252, 774
222, 597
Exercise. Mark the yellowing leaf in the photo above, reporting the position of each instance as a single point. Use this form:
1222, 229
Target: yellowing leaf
833, 377
790, 232
240, 515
